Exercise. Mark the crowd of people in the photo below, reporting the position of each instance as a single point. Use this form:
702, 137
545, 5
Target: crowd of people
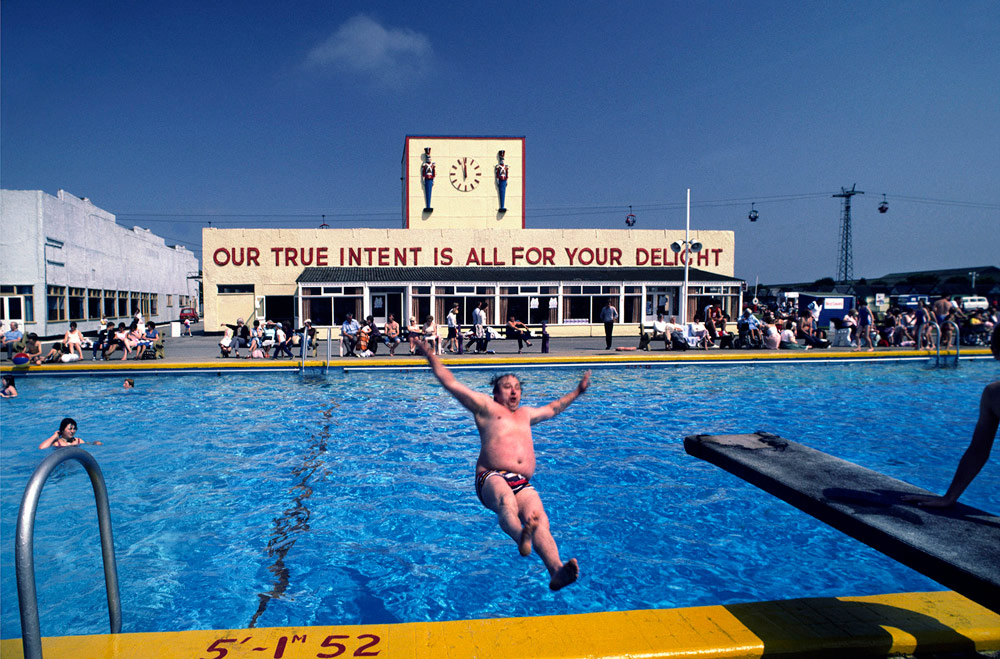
860, 328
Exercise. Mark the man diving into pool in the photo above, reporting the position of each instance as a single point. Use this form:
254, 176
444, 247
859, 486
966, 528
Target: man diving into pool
507, 461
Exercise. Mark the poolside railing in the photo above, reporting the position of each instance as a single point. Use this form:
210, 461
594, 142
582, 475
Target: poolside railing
24, 554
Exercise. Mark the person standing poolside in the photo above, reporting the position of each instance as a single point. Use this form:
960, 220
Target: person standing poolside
452, 319
507, 461
608, 316
979, 449
866, 321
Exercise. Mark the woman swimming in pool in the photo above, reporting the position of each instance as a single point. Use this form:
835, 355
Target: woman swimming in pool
66, 436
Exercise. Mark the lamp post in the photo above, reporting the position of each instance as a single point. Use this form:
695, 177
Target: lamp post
687, 246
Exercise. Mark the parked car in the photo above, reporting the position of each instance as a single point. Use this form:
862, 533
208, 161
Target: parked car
189, 312
973, 302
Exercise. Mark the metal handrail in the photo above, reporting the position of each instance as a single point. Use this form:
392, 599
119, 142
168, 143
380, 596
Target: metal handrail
24, 557
958, 340
329, 348
937, 340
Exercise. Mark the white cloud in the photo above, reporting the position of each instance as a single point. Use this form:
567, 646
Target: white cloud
390, 56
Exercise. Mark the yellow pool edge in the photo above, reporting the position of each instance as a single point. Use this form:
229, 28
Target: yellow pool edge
877, 625
624, 359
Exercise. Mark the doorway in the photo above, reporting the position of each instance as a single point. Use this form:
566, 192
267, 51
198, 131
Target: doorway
12, 309
658, 300
384, 302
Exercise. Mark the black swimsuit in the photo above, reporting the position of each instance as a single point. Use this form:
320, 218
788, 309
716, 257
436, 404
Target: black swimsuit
517, 482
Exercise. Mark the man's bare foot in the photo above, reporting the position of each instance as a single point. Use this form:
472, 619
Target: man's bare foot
527, 531
565, 575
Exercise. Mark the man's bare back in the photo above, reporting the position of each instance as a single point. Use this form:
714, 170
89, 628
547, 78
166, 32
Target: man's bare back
507, 462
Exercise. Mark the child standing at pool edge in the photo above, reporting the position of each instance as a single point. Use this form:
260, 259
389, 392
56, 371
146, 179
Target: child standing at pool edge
507, 461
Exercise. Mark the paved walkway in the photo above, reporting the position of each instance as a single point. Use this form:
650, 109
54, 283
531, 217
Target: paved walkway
201, 351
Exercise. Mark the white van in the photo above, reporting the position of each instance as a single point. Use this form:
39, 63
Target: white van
973, 302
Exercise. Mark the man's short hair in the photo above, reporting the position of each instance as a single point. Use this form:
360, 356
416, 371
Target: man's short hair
500, 377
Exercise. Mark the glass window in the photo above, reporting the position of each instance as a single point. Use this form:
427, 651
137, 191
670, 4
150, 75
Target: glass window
571, 290
484, 290
153, 299
26, 292
56, 303
123, 304
77, 304
576, 309
319, 310
94, 304
591, 289
330, 290
421, 290
242, 289
312, 291
444, 290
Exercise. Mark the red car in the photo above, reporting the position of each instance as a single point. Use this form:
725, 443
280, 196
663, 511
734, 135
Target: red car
188, 312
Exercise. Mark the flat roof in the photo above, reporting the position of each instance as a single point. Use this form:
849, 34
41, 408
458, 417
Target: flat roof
533, 275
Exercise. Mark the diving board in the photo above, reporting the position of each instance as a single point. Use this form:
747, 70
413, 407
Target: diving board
958, 547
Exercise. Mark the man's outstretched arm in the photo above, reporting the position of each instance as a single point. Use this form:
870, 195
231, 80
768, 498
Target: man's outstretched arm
469, 399
545, 412
975, 456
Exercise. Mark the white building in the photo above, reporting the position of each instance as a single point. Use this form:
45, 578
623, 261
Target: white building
64, 259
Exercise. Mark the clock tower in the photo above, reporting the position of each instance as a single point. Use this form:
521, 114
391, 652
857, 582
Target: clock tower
463, 182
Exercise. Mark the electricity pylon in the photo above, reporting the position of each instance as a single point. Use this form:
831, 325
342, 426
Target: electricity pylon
845, 268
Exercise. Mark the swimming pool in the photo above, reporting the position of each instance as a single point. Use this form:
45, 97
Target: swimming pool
278, 499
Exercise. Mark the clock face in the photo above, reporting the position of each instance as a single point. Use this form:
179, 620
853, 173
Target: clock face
465, 174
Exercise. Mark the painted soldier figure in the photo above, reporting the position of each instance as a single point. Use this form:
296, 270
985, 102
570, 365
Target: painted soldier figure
500, 172
427, 174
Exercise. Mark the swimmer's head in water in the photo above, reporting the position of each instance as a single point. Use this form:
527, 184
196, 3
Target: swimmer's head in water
67, 427
506, 390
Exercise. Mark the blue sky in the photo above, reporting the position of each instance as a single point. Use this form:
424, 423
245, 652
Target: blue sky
174, 114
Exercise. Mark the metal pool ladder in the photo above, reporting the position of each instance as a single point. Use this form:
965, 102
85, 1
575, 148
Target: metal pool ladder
937, 360
24, 558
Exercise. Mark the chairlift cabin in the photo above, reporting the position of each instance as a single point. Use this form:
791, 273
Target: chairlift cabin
884, 206
753, 215
630, 218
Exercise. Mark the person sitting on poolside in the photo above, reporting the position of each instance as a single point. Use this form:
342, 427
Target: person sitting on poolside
390, 335
975, 456
73, 339
33, 348
413, 332
55, 353
507, 461
787, 338
518, 330
11, 339
349, 330
660, 331
65, 436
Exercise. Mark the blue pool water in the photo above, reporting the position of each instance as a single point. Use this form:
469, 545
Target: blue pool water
279, 500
